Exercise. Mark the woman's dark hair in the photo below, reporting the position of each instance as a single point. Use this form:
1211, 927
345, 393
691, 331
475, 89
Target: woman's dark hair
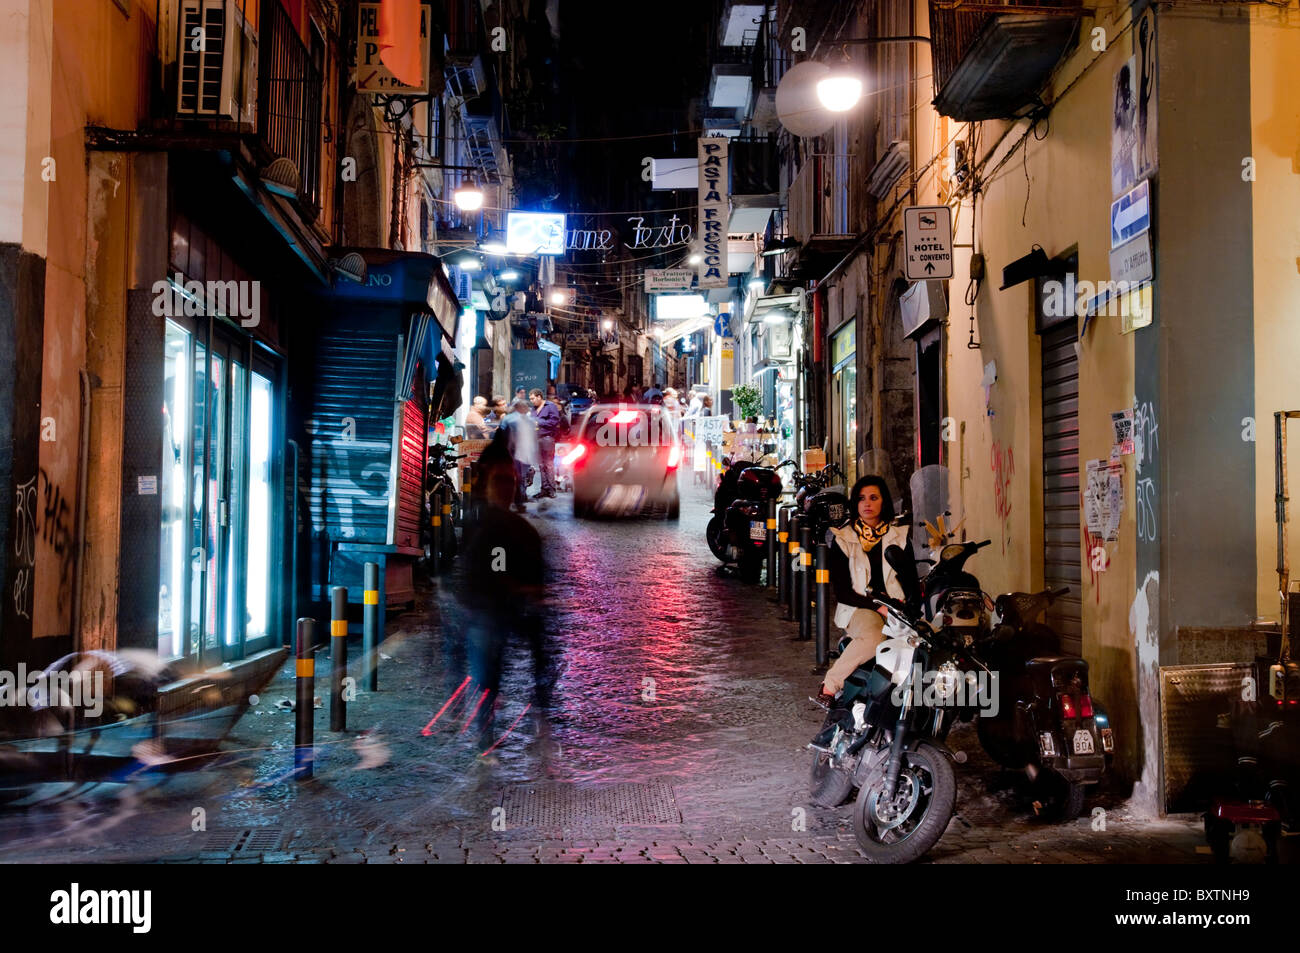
886, 501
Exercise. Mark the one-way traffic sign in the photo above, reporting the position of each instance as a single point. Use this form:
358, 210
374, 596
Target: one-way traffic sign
927, 232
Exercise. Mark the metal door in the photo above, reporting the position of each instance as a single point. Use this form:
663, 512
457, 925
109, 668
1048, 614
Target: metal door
1062, 542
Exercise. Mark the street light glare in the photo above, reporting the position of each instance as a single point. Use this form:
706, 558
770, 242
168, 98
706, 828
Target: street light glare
608, 325
694, 260
557, 297
468, 198
839, 92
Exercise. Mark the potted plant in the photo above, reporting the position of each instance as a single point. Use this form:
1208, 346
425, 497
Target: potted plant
749, 401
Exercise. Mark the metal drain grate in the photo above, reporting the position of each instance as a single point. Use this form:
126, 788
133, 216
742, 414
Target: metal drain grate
560, 806
254, 839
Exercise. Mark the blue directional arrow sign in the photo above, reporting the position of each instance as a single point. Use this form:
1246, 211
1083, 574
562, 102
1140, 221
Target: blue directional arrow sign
722, 324
1130, 215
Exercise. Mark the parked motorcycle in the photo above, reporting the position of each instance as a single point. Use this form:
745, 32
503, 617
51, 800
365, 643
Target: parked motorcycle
441, 462
745, 518
1052, 728
889, 726
716, 531
952, 602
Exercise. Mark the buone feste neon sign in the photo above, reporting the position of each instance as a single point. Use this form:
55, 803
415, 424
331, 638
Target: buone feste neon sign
673, 235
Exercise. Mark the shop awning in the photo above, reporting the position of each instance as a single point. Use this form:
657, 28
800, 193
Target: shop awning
412, 282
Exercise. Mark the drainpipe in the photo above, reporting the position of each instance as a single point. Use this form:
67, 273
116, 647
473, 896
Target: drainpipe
83, 455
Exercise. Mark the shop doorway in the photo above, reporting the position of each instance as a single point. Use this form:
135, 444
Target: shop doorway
219, 488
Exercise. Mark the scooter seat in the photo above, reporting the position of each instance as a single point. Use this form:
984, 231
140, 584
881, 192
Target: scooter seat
1056, 667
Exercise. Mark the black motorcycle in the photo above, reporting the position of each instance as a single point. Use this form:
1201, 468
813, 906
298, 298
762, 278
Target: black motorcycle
1054, 730
745, 518
441, 462
728, 482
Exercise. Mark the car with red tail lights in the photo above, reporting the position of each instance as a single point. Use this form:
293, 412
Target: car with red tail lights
625, 460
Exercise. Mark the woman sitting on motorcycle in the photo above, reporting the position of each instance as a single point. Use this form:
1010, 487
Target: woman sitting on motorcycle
859, 569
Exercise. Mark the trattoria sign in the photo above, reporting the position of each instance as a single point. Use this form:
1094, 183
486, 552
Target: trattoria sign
714, 211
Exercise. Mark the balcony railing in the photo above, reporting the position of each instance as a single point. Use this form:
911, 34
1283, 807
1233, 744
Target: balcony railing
289, 99
820, 199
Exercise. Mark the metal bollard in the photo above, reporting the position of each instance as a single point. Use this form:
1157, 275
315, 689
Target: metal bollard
370, 625
338, 658
823, 601
805, 581
435, 523
782, 557
771, 544
792, 556
448, 526
304, 752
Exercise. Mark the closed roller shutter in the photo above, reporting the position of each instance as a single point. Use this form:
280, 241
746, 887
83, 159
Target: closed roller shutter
410, 485
1062, 562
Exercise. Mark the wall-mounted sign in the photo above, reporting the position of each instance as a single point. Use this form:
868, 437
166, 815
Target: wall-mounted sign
371, 74
668, 279
535, 233
927, 233
715, 211
1132, 262
1130, 215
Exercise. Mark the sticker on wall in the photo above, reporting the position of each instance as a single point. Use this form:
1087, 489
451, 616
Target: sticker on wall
1103, 499
1122, 422
146, 485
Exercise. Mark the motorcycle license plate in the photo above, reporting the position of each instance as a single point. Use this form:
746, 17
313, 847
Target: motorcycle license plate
1083, 742
757, 529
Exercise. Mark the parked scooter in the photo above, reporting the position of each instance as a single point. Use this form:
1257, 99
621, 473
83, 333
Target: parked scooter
746, 517
728, 483
1049, 725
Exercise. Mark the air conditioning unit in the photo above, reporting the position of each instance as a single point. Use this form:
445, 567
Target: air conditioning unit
216, 61
462, 284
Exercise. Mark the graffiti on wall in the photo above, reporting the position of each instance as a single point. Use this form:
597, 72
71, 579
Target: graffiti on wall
1004, 468
24, 546
1146, 444
42, 514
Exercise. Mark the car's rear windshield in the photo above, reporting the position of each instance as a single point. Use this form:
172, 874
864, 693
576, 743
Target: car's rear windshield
629, 427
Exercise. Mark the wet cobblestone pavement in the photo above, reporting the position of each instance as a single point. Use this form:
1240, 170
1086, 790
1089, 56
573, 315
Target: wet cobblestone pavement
681, 702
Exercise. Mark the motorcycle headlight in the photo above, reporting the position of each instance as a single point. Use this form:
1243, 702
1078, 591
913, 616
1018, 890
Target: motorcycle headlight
945, 683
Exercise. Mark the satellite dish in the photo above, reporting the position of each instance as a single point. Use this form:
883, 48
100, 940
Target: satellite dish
797, 105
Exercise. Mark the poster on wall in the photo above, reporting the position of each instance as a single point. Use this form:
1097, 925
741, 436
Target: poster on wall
1133, 120
1103, 499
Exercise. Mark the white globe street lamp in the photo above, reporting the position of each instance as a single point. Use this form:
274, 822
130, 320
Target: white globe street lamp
839, 92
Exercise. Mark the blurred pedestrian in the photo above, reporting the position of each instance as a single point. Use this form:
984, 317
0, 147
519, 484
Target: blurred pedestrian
521, 437
502, 598
498, 414
706, 406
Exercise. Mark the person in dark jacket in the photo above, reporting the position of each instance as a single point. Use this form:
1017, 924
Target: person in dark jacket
547, 416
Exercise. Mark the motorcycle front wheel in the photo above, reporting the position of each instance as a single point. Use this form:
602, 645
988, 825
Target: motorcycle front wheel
902, 829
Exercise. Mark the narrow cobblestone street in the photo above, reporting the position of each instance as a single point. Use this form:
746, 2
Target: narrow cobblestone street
681, 705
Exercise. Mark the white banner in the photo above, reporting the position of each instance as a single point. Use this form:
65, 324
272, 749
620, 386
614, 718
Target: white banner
667, 279
714, 212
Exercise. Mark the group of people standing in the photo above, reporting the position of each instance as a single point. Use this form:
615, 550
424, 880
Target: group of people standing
526, 430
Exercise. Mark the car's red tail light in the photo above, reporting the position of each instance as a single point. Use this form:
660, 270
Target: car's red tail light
1085, 706
578, 452
1067, 706
675, 456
